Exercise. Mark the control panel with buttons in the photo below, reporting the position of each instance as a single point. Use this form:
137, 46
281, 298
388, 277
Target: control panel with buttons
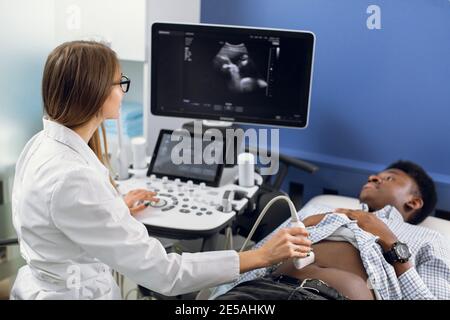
188, 206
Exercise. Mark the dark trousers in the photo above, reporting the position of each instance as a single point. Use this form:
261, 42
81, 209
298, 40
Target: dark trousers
282, 287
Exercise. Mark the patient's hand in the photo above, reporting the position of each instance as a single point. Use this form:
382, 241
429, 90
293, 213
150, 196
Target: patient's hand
369, 222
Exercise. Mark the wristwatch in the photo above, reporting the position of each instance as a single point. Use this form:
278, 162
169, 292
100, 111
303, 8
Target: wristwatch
399, 252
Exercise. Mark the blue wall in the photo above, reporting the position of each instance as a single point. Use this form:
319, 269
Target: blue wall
378, 95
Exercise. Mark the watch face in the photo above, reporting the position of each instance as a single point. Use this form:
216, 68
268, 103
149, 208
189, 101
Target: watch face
402, 251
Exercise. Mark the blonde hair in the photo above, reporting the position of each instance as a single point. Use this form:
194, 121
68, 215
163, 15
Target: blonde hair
78, 78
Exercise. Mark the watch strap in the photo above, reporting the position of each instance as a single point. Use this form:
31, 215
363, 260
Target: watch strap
390, 256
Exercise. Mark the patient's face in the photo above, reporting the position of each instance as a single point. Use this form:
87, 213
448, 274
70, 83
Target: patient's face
390, 187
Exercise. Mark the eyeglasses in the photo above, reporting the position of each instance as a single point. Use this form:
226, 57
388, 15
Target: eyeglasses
124, 83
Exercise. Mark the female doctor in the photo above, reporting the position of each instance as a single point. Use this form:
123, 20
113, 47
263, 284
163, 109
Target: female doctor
72, 224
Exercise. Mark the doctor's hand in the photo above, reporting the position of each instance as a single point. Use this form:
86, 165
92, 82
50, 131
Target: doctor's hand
285, 244
135, 200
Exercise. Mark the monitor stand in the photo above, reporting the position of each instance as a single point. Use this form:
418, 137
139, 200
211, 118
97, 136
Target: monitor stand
232, 147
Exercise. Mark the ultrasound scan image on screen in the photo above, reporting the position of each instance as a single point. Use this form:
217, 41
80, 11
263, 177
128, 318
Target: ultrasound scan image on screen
239, 70
245, 75
235, 71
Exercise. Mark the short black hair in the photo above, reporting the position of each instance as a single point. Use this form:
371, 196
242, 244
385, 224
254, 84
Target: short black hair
426, 186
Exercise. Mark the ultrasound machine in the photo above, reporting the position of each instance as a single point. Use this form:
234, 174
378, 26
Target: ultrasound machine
223, 76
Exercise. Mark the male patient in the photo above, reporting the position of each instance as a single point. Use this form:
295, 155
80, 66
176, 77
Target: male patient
379, 254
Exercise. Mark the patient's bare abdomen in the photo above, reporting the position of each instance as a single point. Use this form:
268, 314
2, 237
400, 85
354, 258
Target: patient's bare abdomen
339, 265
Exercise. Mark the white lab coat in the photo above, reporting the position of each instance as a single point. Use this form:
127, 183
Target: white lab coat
73, 226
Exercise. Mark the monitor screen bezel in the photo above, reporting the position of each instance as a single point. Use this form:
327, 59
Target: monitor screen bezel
157, 26
214, 183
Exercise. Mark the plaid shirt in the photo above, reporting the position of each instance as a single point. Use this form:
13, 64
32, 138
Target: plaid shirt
428, 279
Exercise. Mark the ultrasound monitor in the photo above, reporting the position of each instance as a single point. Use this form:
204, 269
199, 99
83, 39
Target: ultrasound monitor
235, 74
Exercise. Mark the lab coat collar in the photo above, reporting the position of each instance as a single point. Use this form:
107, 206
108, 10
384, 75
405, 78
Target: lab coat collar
73, 140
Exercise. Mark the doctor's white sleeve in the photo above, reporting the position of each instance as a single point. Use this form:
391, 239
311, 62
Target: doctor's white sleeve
86, 210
